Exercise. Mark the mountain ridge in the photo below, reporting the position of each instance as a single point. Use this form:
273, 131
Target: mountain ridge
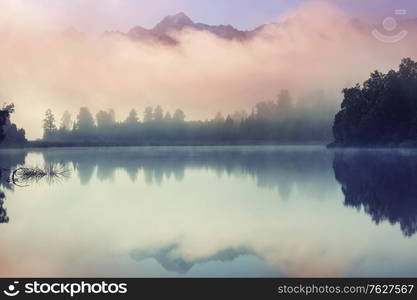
178, 22
162, 31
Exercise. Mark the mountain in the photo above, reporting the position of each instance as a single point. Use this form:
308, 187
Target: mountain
161, 32
173, 23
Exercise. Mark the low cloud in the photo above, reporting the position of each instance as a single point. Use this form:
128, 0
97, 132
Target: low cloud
316, 46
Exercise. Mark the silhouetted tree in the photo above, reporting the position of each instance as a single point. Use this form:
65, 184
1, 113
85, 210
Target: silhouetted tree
148, 114
49, 127
239, 116
158, 114
383, 111
105, 119
179, 116
132, 118
219, 119
85, 120
167, 117
66, 122
13, 135
284, 101
229, 130
4, 118
10, 135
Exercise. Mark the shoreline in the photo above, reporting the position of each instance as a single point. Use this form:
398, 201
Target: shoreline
331, 146
46, 145
405, 145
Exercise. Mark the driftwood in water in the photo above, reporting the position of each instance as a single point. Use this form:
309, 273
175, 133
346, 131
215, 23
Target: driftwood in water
24, 176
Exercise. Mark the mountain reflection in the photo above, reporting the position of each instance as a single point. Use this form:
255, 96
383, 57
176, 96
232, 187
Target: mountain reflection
383, 183
170, 262
281, 168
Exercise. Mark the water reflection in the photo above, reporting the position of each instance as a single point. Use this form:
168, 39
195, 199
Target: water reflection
273, 168
213, 211
8, 161
3, 212
170, 261
384, 183
14, 173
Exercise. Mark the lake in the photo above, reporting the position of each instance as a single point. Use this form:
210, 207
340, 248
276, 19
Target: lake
241, 211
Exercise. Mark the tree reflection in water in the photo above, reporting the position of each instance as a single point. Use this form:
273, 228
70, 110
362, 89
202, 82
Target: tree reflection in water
8, 161
3, 212
12, 174
382, 182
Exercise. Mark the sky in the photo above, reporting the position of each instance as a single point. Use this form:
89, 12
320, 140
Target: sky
100, 15
318, 49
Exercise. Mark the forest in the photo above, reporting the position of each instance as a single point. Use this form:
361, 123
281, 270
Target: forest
281, 121
381, 112
10, 135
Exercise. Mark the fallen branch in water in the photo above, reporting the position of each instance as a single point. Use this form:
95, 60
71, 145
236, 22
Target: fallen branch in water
24, 176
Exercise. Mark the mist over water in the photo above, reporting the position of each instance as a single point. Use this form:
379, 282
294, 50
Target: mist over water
213, 211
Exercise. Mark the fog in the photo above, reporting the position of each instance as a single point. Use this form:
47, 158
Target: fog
314, 47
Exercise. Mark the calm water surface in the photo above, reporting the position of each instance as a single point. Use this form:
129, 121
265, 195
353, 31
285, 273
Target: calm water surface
212, 211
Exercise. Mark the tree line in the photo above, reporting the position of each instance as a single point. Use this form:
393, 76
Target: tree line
281, 120
10, 135
381, 112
